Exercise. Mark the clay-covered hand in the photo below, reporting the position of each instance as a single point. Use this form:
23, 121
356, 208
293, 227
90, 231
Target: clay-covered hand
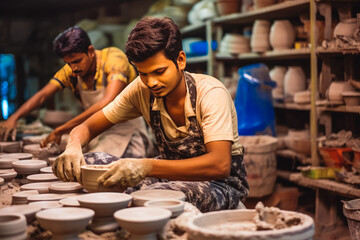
67, 166
6, 128
54, 136
126, 172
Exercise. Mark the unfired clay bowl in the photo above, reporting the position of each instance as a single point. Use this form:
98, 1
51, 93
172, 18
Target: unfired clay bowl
12, 226
226, 224
90, 174
142, 196
65, 223
46, 204
1, 180
11, 147
20, 156
6, 162
46, 197
7, 174
21, 197
42, 187
104, 204
28, 166
175, 206
143, 223
42, 177
26, 210
66, 187
46, 170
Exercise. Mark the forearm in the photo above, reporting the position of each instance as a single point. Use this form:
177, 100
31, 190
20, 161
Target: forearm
78, 137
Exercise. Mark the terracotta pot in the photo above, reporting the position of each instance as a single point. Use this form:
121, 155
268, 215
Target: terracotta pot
346, 27
282, 35
294, 81
277, 74
226, 7
263, 3
260, 36
335, 90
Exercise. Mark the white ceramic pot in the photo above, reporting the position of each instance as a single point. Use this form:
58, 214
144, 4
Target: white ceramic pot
346, 27
277, 74
335, 90
282, 35
294, 81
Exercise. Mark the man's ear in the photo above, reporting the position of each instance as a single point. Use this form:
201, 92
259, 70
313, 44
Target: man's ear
91, 51
181, 60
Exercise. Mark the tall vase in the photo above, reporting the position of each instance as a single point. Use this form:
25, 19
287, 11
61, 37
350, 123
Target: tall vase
294, 81
277, 74
282, 35
260, 36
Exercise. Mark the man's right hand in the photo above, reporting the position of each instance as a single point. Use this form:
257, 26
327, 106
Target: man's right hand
6, 128
67, 166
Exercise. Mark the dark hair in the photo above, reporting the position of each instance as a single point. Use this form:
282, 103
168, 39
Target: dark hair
72, 40
151, 35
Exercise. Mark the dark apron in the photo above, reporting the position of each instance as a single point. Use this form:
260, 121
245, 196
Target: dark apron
205, 195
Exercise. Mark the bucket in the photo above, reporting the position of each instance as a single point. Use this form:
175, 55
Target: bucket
351, 210
253, 101
224, 225
260, 163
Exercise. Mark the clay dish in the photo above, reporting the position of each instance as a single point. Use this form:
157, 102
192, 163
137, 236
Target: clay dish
21, 197
20, 156
90, 174
71, 201
51, 160
65, 223
105, 203
42, 177
175, 206
27, 210
6, 162
229, 224
42, 187
12, 226
46, 197
46, 170
66, 187
46, 204
1, 180
7, 174
142, 196
28, 166
142, 222
11, 147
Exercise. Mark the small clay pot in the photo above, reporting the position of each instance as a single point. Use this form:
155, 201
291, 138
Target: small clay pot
226, 7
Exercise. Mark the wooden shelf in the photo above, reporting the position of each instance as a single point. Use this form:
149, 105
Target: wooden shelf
200, 59
195, 29
306, 107
269, 55
321, 51
292, 106
287, 9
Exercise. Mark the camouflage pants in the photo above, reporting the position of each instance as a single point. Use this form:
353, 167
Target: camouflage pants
205, 195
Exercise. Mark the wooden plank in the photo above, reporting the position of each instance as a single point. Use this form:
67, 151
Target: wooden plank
343, 189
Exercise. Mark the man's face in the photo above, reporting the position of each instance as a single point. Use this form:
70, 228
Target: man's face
79, 62
160, 74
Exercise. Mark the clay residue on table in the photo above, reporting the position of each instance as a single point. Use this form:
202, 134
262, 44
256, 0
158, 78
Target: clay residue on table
271, 218
6, 192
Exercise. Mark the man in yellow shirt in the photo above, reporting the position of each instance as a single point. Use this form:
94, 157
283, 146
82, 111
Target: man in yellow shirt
96, 77
193, 119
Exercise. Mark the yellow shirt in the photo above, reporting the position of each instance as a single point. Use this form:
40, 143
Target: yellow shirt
111, 64
215, 110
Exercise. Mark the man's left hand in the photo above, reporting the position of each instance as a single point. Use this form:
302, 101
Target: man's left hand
54, 136
126, 172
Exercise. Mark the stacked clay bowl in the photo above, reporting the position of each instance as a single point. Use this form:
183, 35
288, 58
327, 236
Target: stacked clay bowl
12, 226
26, 167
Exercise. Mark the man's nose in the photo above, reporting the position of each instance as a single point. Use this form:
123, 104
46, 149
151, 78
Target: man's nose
152, 82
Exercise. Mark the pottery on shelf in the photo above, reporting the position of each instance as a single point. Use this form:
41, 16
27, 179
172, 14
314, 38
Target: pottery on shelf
282, 35
277, 74
65, 223
142, 196
302, 97
346, 28
175, 206
294, 81
335, 90
12, 226
351, 98
263, 3
226, 7
260, 36
143, 223
90, 174
26, 210
104, 205
26, 167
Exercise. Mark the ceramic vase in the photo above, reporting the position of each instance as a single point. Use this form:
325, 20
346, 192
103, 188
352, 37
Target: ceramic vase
260, 36
277, 74
263, 3
335, 90
282, 35
294, 81
346, 28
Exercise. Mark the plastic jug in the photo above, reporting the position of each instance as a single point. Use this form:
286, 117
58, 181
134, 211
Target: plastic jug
253, 101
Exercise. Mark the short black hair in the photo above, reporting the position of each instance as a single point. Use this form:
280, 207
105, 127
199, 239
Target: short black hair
152, 35
72, 40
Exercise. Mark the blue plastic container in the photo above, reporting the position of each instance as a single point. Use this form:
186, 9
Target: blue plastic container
200, 48
253, 101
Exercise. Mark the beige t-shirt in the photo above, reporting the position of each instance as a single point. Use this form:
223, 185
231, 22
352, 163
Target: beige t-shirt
215, 110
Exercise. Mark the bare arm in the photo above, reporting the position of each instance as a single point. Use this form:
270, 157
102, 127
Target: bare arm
113, 89
34, 102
